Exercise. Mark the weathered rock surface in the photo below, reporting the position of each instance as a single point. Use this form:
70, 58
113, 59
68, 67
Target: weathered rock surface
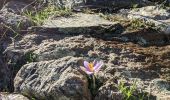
53, 80
127, 61
99, 4
16, 7
145, 37
159, 16
11, 22
3, 2
52, 53
6, 96
80, 24
5, 81
10, 17
109, 91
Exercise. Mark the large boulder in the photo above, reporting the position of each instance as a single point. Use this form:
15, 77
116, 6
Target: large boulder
53, 80
52, 75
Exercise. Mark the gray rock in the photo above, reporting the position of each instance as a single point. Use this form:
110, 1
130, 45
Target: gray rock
67, 3
80, 23
6, 96
54, 80
119, 3
16, 7
10, 17
53, 68
5, 76
123, 61
55, 53
109, 91
99, 4
4, 2
159, 16
163, 97
14, 22
160, 86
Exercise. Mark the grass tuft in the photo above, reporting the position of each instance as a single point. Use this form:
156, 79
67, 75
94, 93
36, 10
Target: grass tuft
38, 17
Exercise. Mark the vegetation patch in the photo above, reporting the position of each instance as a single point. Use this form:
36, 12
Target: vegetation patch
131, 92
38, 17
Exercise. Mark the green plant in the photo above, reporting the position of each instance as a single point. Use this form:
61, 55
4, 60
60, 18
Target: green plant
30, 57
130, 92
137, 24
38, 17
135, 6
127, 91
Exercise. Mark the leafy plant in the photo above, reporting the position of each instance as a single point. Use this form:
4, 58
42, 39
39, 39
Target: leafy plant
130, 92
127, 91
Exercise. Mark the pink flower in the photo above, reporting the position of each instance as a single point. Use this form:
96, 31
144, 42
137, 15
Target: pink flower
91, 68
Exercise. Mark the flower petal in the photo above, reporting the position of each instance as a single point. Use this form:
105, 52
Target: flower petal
88, 72
86, 65
98, 66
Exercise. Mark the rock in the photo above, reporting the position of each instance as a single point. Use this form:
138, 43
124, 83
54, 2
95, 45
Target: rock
122, 60
118, 3
3, 2
99, 4
67, 3
5, 76
159, 86
6, 96
59, 51
11, 20
152, 12
80, 24
163, 97
16, 7
14, 22
109, 91
159, 16
54, 80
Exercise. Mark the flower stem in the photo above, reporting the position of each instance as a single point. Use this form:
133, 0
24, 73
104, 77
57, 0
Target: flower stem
94, 83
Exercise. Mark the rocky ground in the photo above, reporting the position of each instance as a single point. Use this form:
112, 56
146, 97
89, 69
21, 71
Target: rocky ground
42, 62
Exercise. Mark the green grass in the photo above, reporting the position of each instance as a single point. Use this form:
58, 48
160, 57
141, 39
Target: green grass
38, 17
